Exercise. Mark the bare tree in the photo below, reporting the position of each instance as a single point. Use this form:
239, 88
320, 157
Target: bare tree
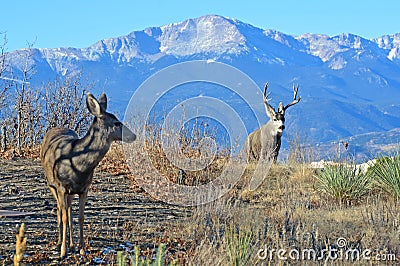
33, 116
64, 104
5, 85
5, 82
27, 109
22, 89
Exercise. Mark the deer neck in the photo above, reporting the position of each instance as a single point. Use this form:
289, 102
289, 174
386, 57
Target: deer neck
91, 148
269, 129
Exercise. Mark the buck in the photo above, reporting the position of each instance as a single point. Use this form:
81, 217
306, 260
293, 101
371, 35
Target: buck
69, 162
265, 142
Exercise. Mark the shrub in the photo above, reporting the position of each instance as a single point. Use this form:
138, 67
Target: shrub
158, 260
238, 241
343, 182
386, 173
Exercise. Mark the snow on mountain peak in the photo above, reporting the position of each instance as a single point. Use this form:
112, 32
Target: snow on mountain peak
207, 34
320, 45
390, 43
352, 41
344, 73
216, 36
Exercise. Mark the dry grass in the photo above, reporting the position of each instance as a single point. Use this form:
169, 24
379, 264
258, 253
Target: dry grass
286, 212
11, 153
20, 246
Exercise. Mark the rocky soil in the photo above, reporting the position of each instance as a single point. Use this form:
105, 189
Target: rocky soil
118, 216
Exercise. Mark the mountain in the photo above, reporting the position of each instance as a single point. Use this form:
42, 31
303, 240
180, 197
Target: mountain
349, 85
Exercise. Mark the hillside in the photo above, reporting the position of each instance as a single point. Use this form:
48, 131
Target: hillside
349, 85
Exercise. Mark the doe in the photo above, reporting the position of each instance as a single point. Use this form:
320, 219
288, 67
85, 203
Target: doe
69, 162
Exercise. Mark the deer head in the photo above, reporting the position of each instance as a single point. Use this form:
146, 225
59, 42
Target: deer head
108, 122
277, 119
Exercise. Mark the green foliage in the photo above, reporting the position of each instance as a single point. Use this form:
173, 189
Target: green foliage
137, 256
386, 173
238, 241
138, 261
121, 258
344, 183
160, 257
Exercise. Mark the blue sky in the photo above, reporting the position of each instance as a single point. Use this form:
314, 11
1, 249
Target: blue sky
73, 23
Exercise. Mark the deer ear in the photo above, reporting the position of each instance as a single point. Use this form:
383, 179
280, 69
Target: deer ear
270, 111
103, 102
93, 105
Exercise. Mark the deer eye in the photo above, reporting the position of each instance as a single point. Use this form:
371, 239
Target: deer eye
118, 124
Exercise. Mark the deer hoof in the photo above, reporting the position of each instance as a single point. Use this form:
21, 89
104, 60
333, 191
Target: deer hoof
82, 252
55, 246
72, 249
63, 255
63, 251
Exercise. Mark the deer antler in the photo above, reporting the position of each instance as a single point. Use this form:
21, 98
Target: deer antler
268, 107
265, 93
295, 99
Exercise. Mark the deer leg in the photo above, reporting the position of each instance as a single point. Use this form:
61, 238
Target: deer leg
70, 221
54, 192
64, 217
82, 202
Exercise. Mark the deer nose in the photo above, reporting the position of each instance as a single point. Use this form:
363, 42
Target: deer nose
282, 127
127, 135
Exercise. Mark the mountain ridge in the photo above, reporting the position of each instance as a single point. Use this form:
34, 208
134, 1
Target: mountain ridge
344, 77
164, 35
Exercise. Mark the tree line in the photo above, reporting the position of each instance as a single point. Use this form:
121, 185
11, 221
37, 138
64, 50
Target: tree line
27, 110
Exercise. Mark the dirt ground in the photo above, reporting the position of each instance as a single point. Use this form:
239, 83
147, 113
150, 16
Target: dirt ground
118, 216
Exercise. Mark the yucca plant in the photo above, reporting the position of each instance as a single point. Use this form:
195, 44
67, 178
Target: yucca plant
343, 182
159, 259
386, 173
121, 258
238, 241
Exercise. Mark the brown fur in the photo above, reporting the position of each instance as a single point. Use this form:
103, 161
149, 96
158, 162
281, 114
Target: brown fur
254, 145
265, 142
69, 163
